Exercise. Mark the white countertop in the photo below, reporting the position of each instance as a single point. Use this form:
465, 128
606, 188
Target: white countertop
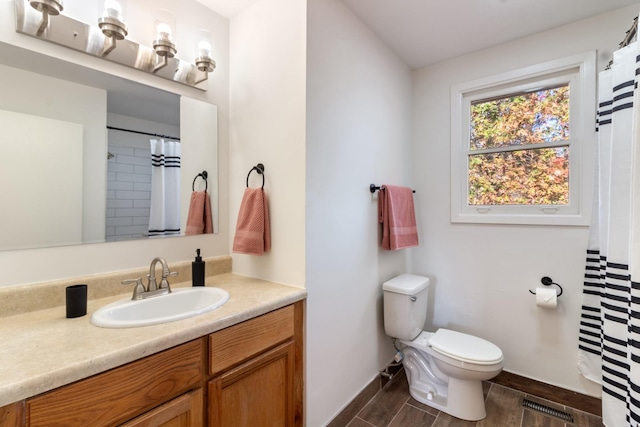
43, 350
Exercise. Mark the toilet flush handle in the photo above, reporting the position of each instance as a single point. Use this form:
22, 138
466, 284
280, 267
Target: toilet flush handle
414, 298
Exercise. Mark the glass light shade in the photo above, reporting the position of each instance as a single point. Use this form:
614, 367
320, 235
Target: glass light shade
204, 61
115, 10
165, 24
205, 43
164, 46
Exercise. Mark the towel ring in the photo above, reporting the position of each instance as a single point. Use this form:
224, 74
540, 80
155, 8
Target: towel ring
258, 168
204, 176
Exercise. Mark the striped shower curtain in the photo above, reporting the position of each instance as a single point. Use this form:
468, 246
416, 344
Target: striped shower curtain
609, 339
164, 215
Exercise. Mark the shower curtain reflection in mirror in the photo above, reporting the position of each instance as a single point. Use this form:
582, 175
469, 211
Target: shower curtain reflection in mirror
164, 214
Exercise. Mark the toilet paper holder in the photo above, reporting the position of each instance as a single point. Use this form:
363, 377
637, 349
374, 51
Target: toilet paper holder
547, 281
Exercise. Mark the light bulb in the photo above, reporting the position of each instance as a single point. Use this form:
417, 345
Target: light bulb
204, 48
112, 9
164, 31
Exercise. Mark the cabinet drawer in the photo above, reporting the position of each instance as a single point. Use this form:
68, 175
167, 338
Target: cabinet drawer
122, 393
241, 342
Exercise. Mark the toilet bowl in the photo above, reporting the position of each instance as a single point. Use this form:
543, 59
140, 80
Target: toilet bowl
450, 381
445, 369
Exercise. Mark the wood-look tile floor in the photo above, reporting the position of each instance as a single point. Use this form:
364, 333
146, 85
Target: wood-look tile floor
392, 406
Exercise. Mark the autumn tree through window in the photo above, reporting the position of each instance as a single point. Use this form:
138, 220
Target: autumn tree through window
518, 151
520, 142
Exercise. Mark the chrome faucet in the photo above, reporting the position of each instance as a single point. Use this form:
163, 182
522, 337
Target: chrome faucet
151, 277
152, 289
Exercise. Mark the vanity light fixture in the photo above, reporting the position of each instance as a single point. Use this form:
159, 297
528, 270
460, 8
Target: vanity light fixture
159, 60
204, 61
163, 45
47, 8
112, 24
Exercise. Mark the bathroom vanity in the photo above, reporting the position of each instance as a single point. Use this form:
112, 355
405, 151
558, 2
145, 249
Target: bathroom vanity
240, 364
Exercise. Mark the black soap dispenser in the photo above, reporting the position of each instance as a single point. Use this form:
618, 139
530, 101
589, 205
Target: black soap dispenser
197, 270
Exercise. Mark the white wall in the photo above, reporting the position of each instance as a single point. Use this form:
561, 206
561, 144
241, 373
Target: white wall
358, 133
61, 262
52, 149
481, 274
40, 95
267, 102
199, 152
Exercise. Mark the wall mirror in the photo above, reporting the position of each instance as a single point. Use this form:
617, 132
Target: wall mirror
78, 157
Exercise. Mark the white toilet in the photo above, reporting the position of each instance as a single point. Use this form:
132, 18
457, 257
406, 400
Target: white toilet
445, 369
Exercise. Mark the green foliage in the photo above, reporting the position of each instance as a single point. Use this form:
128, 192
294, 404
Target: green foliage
526, 174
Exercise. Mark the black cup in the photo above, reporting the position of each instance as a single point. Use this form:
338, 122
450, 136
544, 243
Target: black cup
76, 301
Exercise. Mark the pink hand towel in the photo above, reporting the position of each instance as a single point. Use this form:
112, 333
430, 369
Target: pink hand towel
397, 215
199, 220
253, 234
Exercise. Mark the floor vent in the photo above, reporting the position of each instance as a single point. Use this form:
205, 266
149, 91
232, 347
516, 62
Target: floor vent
544, 409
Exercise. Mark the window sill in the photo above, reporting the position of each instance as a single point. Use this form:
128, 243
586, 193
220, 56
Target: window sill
514, 219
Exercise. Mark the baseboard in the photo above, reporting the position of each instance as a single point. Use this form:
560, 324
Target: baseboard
581, 402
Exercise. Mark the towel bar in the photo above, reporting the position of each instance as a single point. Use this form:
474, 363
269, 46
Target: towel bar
373, 188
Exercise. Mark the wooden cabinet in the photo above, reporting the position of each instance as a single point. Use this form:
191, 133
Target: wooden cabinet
257, 372
257, 393
12, 415
121, 394
184, 411
249, 374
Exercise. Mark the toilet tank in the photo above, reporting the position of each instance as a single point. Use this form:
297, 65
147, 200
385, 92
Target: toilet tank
405, 305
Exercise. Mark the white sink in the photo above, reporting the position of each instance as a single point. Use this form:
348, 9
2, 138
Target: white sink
180, 304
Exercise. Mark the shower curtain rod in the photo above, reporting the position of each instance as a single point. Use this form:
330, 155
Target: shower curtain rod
628, 38
631, 33
144, 133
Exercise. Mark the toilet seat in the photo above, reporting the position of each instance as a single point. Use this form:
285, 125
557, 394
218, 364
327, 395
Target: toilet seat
464, 347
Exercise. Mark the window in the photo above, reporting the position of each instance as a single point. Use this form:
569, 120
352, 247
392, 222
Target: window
521, 143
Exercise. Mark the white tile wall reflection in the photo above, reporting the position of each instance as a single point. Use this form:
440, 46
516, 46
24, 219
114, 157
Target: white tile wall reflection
128, 193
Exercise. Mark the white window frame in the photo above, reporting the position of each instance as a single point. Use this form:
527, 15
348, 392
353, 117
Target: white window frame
577, 70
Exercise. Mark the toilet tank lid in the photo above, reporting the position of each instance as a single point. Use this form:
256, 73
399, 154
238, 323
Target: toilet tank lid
408, 284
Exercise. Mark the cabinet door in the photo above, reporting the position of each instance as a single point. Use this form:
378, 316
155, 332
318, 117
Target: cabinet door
183, 411
12, 415
258, 393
